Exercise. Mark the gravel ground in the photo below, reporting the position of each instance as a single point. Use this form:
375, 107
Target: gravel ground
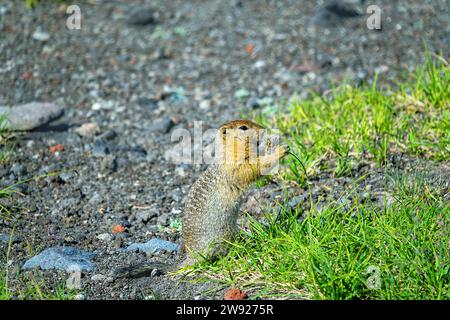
136, 71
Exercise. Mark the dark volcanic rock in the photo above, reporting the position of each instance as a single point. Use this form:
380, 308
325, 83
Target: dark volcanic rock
141, 17
332, 13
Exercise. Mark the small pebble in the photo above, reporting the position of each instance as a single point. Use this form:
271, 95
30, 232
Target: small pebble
40, 35
105, 237
98, 277
87, 130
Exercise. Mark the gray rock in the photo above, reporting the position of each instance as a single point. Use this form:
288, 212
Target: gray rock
153, 245
98, 277
65, 176
137, 154
108, 135
162, 125
103, 105
204, 104
118, 242
180, 171
31, 115
100, 148
174, 95
105, 237
145, 216
96, 199
4, 10
163, 219
253, 103
87, 129
122, 162
155, 273
345, 203
241, 93
141, 17
333, 12
147, 102
61, 258
365, 196
296, 201
3, 173
6, 238
108, 163
124, 235
18, 169
69, 203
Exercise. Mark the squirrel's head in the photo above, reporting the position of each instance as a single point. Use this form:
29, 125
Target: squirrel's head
239, 141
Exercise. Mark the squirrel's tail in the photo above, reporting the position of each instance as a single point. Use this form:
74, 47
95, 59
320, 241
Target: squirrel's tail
142, 270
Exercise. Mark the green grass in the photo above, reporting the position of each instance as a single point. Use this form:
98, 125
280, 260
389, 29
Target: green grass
5, 144
369, 123
398, 249
33, 3
334, 252
30, 285
5, 151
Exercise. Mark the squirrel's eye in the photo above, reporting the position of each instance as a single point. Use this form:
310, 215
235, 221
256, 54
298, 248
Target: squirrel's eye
243, 128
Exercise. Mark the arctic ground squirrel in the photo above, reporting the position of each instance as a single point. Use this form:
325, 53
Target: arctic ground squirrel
213, 202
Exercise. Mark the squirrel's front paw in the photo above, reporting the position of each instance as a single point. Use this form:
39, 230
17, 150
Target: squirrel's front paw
283, 150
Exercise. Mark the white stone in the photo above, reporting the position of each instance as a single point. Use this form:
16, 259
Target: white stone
98, 277
106, 237
259, 64
87, 129
205, 104
41, 35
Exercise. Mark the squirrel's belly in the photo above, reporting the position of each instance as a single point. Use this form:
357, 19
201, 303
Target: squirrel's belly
210, 216
217, 226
